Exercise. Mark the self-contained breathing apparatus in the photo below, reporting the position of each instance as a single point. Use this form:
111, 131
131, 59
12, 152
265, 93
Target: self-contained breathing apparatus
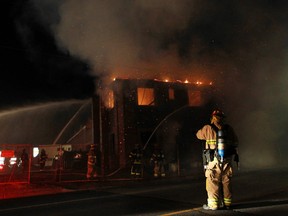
220, 141
223, 149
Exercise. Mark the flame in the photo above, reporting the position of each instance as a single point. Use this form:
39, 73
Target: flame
180, 81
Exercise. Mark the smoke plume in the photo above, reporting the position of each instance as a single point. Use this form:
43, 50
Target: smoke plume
241, 46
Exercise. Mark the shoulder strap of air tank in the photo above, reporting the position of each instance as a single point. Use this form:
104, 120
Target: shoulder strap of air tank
214, 128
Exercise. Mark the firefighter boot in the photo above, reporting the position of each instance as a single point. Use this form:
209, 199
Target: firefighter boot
206, 207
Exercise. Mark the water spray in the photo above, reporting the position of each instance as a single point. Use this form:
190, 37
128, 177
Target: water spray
69, 122
165, 118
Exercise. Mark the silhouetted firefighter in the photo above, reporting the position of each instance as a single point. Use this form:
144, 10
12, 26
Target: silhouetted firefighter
136, 157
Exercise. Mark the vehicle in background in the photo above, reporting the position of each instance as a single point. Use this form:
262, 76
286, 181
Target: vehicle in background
8, 160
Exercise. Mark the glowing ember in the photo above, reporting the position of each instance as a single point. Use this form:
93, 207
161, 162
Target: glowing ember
180, 81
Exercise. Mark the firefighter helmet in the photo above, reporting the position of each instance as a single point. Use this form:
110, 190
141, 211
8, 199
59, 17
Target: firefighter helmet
218, 113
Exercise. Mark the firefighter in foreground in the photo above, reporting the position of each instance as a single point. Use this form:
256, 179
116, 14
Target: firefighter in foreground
158, 161
93, 162
220, 150
136, 158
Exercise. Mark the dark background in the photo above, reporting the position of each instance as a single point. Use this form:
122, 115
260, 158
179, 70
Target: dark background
32, 68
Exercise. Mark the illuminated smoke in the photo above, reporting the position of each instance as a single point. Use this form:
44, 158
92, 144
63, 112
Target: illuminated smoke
239, 45
134, 39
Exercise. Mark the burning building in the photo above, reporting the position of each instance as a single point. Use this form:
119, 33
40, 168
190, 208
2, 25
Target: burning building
150, 112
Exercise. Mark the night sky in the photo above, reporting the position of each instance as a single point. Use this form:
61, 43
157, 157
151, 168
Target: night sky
32, 67
57, 49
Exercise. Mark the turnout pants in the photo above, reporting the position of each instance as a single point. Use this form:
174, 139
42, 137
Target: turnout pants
218, 183
159, 169
92, 171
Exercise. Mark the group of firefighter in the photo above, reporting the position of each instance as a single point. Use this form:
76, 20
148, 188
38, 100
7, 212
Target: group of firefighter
93, 162
220, 150
157, 161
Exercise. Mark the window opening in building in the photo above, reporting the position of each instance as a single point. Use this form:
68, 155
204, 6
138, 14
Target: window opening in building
145, 96
195, 98
108, 98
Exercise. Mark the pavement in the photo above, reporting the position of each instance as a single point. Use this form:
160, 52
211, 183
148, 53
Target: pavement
267, 198
34, 188
17, 190
43, 183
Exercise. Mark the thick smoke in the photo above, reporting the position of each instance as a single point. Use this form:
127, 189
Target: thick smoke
239, 45
140, 39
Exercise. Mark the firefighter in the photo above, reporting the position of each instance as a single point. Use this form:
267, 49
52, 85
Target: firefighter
136, 158
58, 163
42, 159
220, 151
24, 161
158, 161
93, 162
